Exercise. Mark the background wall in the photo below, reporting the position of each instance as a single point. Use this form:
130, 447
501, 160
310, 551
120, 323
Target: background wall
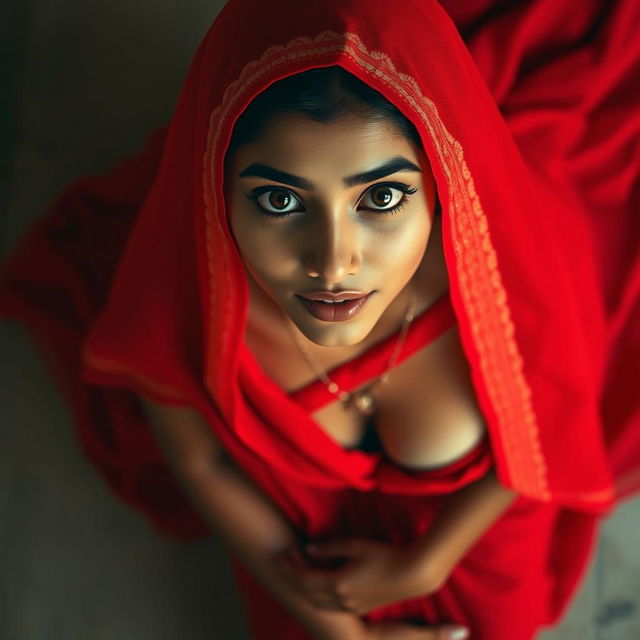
84, 84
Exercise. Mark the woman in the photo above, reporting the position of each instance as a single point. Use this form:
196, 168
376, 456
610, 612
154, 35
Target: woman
254, 393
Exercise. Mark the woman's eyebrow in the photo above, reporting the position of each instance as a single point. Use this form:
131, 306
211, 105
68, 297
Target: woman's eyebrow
259, 170
393, 165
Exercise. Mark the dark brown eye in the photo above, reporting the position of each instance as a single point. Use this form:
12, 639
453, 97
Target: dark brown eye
382, 197
278, 201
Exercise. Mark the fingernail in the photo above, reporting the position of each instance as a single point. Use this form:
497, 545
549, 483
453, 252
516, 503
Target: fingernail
459, 633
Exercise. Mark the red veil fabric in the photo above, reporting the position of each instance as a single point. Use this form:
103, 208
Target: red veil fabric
133, 284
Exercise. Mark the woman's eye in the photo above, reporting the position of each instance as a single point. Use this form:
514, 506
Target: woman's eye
383, 197
278, 201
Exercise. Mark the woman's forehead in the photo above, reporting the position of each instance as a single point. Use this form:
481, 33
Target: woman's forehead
347, 145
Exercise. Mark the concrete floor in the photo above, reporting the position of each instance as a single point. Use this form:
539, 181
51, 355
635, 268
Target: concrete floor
86, 82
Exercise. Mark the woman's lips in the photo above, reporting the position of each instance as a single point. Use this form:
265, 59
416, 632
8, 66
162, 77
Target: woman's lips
333, 311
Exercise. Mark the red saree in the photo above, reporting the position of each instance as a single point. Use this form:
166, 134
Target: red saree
132, 283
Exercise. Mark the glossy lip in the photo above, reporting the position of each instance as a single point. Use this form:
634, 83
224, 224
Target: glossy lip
336, 296
333, 312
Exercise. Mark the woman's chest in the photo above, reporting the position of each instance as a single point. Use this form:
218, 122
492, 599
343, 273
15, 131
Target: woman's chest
426, 413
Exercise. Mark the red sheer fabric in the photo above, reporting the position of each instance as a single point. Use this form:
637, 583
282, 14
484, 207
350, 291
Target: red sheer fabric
133, 284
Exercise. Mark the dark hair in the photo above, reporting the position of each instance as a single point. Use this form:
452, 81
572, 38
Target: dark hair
324, 94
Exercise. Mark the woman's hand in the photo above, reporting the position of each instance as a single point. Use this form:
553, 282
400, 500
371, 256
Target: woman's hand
372, 574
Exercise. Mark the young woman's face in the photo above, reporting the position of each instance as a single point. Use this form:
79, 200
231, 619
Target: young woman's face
327, 207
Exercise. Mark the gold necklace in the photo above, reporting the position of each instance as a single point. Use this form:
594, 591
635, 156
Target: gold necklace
361, 400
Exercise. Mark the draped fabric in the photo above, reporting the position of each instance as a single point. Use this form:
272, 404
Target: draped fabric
567, 84
132, 284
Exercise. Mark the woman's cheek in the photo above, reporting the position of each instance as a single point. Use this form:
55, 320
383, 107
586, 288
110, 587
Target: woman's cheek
407, 246
274, 258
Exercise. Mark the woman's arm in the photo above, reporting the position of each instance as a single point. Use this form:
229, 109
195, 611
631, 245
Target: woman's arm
246, 520
464, 518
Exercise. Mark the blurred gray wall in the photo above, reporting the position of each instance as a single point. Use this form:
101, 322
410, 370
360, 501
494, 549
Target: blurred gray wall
89, 80
83, 83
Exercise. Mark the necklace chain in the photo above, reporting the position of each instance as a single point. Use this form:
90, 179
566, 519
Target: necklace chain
361, 400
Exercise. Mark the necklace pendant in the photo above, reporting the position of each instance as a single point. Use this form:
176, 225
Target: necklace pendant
363, 402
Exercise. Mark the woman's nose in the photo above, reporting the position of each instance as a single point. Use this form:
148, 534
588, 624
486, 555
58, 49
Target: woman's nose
333, 251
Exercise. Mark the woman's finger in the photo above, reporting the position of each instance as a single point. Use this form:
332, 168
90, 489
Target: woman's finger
404, 631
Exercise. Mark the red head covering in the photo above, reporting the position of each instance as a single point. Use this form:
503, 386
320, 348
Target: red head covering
523, 265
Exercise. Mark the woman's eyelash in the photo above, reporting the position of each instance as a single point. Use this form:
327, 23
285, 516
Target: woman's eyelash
395, 208
400, 186
254, 194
